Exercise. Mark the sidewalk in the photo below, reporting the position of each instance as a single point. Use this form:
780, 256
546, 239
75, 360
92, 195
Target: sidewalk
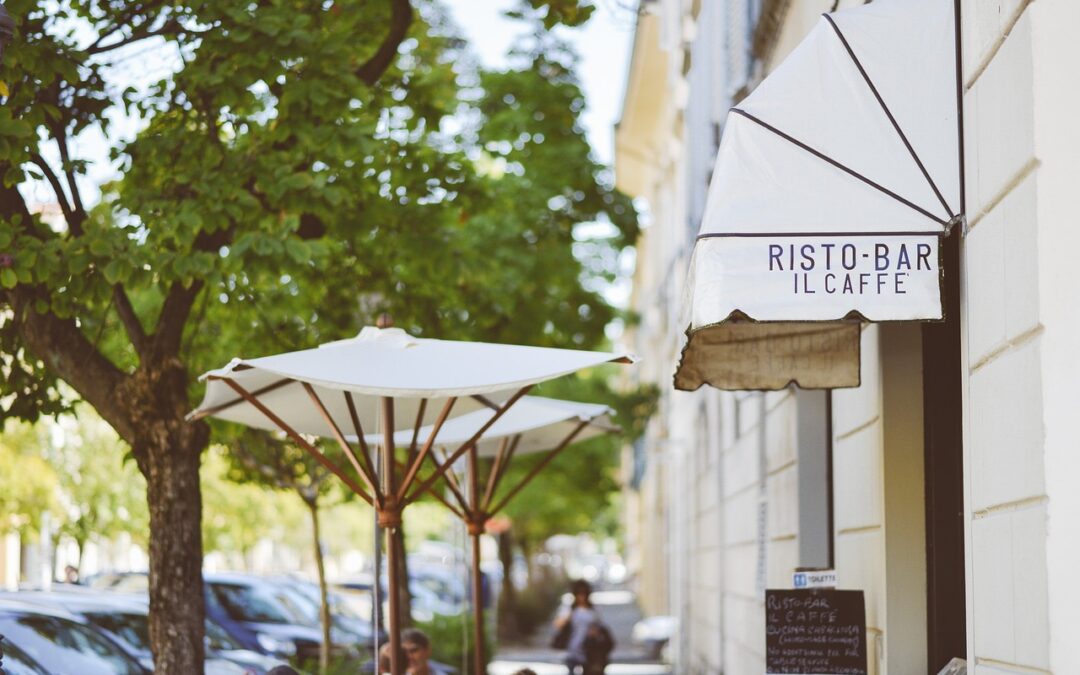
619, 611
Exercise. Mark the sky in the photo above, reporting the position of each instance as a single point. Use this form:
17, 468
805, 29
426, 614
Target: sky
603, 44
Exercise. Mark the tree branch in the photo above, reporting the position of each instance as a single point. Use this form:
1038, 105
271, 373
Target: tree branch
58, 190
170, 27
169, 331
124, 19
68, 353
78, 213
400, 19
129, 318
61, 344
174, 314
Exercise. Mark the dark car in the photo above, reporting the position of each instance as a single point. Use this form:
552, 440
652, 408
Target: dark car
124, 619
344, 617
264, 616
39, 639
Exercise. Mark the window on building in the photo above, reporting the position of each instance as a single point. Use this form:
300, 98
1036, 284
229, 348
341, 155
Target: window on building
814, 440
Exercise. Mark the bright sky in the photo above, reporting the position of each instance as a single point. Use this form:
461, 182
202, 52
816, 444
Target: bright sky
603, 44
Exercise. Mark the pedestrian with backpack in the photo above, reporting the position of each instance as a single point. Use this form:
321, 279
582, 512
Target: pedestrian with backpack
579, 630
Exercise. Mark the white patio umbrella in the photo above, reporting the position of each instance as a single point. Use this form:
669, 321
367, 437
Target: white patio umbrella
854, 141
384, 380
533, 425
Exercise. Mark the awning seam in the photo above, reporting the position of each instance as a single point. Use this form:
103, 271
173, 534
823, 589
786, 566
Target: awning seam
851, 172
888, 113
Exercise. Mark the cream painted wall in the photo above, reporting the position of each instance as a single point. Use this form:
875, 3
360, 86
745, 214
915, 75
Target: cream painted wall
1023, 326
718, 513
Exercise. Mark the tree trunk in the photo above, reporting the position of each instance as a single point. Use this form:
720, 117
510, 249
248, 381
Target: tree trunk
324, 600
80, 547
508, 628
170, 461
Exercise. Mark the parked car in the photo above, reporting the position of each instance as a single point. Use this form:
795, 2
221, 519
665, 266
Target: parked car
264, 616
655, 633
124, 618
39, 639
343, 614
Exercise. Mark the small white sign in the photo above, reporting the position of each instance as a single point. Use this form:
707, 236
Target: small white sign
818, 278
815, 579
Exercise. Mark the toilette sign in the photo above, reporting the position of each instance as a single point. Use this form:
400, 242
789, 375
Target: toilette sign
823, 278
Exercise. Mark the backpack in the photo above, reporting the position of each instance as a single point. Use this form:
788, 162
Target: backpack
599, 643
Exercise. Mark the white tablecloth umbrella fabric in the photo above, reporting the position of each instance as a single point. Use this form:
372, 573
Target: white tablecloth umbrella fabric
384, 363
542, 424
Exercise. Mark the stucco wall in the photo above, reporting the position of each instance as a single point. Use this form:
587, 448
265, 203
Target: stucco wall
1005, 467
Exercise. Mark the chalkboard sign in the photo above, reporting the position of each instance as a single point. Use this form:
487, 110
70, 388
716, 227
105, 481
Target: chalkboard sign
815, 632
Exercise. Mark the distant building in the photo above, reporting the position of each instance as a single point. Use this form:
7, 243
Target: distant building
945, 485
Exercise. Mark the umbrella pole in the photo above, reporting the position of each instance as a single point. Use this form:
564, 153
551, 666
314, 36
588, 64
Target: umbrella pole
394, 618
477, 598
390, 517
476, 528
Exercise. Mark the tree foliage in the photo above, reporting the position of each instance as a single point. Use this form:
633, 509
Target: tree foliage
103, 492
296, 166
28, 485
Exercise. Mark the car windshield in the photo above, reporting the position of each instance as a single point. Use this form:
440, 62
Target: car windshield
134, 629
18, 663
64, 647
218, 639
255, 603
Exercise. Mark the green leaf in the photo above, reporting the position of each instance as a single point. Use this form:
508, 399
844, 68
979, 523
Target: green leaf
299, 251
117, 272
8, 278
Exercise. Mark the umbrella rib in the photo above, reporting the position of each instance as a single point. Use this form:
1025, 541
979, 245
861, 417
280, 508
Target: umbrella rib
299, 440
485, 401
851, 172
452, 483
416, 428
505, 467
340, 438
228, 404
539, 467
496, 467
888, 113
365, 451
475, 437
416, 462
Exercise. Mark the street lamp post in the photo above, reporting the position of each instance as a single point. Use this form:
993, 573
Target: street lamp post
7, 30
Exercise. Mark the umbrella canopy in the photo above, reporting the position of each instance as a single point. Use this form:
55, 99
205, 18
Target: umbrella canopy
541, 423
382, 362
833, 182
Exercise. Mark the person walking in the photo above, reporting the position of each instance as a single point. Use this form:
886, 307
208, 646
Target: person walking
582, 634
417, 649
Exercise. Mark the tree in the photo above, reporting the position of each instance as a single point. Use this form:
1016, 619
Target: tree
295, 153
101, 489
28, 485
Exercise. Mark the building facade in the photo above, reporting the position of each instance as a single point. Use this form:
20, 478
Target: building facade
942, 486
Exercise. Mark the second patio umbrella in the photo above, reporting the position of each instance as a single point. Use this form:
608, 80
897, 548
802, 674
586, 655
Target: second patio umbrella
534, 425
387, 380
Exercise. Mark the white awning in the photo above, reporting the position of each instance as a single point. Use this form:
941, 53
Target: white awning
383, 363
834, 181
